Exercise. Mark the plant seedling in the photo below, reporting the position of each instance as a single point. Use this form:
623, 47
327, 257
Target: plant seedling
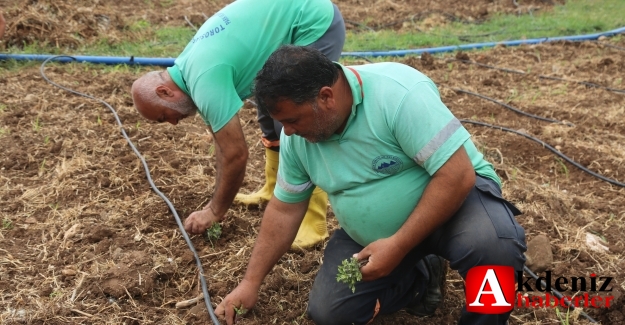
240, 311
349, 272
213, 233
7, 224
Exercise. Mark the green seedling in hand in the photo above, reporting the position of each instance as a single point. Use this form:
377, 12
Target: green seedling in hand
349, 273
240, 311
214, 232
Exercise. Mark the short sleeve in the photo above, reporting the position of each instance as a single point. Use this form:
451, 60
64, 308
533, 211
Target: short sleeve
426, 129
215, 96
293, 184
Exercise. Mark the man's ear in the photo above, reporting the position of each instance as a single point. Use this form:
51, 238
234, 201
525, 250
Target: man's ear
163, 91
326, 95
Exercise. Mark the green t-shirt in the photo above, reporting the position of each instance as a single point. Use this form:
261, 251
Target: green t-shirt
218, 66
375, 172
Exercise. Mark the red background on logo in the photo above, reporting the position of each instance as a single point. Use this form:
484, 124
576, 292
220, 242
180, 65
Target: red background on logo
474, 279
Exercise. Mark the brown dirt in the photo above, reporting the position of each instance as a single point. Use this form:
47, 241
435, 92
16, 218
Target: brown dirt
84, 239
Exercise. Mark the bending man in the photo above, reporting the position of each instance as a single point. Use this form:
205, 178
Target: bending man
404, 180
214, 74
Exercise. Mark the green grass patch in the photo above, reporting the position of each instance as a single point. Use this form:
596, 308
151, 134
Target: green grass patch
574, 18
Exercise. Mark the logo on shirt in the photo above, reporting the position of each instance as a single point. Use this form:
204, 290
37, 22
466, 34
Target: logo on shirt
387, 164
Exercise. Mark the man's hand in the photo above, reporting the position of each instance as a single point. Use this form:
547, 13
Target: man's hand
384, 255
243, 297
201, 220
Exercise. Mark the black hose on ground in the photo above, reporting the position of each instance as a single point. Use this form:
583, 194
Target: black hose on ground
152, 185
514, 109
554, 150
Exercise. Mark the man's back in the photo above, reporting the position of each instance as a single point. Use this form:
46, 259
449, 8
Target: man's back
219, 64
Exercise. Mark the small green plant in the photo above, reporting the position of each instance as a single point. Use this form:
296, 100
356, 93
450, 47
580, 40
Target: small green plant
36, 124
46, 140
2, 108
240, 311
564, 318
42, 167
565, 170
55, 294
7, 224
99, 120
349, 273
213, 233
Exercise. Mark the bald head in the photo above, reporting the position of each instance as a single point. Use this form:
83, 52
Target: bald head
158, 98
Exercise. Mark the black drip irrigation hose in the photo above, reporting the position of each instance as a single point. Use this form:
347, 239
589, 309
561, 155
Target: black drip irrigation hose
554, 150
585, 83
612, 46
558, 294
511, 107
149, 177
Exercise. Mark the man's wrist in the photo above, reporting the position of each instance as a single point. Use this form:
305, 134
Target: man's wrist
210, 207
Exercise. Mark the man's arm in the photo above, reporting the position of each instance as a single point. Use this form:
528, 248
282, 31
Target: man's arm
442, 197
277, 231
231, 154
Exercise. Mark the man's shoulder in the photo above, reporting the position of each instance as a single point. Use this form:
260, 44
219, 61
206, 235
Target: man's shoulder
398, 73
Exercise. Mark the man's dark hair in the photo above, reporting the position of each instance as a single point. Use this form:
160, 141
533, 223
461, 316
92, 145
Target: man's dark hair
295, 73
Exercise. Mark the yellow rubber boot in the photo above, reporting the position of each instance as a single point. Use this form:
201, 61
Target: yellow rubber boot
313, 229
272, 159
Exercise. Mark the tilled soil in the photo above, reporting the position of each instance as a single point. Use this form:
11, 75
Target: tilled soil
84, 240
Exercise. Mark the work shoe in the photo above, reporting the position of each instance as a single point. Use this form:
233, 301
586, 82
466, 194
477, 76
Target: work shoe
425, 305
313, 229
263, 195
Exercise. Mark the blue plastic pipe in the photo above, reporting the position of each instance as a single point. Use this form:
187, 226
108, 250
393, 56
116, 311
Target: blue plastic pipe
167, 62
475, 46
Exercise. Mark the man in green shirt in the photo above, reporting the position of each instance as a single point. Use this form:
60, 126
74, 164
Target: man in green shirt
214, 74
403, 177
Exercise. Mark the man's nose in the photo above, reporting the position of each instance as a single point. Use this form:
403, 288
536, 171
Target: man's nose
288, 130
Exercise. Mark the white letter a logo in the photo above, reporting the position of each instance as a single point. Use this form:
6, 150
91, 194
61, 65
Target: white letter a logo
495, 290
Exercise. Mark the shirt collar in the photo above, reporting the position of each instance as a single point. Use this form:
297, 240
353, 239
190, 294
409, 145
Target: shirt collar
176, 76
355, 83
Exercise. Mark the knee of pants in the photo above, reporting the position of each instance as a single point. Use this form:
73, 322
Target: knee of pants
323, 313
335, 307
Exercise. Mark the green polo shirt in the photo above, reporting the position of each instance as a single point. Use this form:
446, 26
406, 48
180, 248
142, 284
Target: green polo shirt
218, 66
376, 170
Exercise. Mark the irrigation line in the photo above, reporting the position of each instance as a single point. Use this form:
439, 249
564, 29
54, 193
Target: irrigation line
554, 150
512, 108
612, 46
585, 83
149, 177
558, 294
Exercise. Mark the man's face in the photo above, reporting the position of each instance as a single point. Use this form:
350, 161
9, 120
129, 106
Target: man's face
307, 120
160, 113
